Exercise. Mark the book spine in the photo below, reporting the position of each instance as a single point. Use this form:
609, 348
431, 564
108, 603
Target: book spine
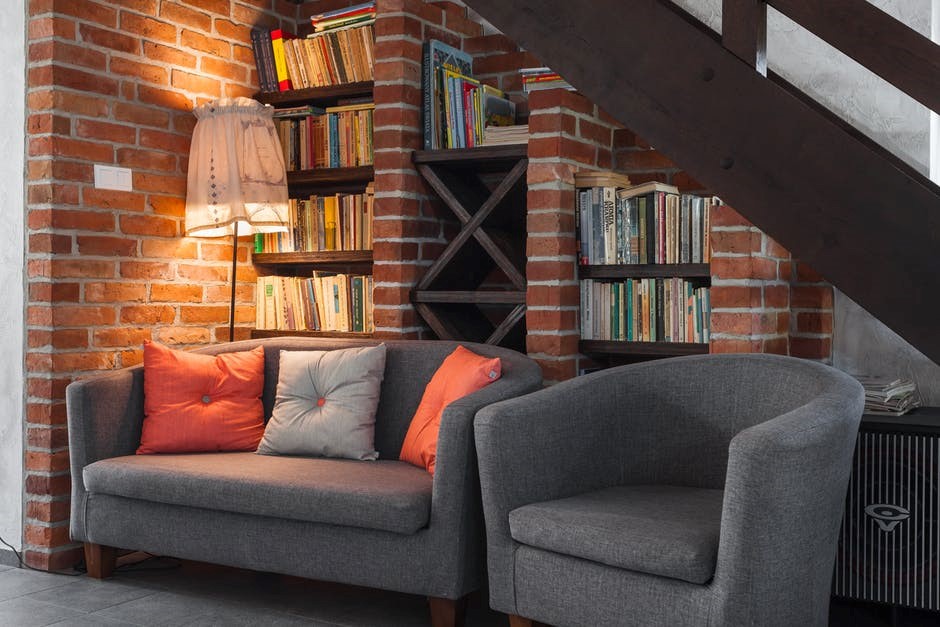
280, 62
610, 225
660, 312
651, 228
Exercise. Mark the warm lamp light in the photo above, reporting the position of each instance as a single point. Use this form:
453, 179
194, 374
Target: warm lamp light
237, 182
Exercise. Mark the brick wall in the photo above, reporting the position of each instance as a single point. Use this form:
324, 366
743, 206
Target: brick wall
114, 82
568, 133
811, 300
410, 226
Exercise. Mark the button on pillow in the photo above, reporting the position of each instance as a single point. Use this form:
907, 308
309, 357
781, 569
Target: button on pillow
326, 403
201, 403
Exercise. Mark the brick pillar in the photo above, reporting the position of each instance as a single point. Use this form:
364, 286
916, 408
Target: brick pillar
114, 82
811, 314
567, 133
750, 293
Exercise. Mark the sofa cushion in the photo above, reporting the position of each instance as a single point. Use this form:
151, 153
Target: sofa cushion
385, 495
196, 403
325, 404
668, 531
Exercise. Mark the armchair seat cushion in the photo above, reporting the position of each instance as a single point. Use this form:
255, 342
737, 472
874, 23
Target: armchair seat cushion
384, 495
668, 531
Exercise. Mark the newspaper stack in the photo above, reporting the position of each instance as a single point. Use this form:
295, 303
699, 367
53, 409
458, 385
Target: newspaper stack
886, 396
501, 135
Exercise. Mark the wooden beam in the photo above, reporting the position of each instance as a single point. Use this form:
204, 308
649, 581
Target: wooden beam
887, 47
836, 202
744, 31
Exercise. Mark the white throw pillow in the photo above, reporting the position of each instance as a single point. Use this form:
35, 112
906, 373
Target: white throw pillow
326, 403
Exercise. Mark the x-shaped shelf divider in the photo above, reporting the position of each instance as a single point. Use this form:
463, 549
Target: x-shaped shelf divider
434, 167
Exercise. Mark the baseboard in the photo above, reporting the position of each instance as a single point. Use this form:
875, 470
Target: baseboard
8, 558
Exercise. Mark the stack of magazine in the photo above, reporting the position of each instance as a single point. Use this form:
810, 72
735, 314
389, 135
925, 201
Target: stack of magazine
887, 396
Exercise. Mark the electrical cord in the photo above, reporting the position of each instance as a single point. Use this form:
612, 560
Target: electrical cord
80, 569
23, 564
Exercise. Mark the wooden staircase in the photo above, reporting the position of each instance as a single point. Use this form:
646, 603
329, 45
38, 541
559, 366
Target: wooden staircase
860, 216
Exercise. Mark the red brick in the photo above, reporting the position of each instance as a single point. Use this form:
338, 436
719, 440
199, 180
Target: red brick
49, 438
48, 511
811, 348
777, 296
111, 292
811, 297
88, 11
81, 268
551, 246
202, 43
224, 69
550, 270
736, 241
138, 159
105, 131
137, 114
82, 315
723, 215
168, 205
44, 461
559, 222
556, 345
148, 28
148, 314
43, 27
203, 273
113, 199
169, 55
107, 246
722, 345
553, 123
144, 71
65, 339
121, 336
806, 274
174, 293
159, 183
108, 39
148, 225
551, 320
169, 248
46, 536
175, 13
543, 295
146, 270
203, 314
735, 297
489, 44
183, 335
773, 249
743, 268
555, 371
813, 322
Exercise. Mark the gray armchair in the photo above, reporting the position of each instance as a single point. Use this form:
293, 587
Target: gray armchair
691, 491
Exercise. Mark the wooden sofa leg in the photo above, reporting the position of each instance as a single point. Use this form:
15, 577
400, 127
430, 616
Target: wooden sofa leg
519, 621
99, 560
447, 612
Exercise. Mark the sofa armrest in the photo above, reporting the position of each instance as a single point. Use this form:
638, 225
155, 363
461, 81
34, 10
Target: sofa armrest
456, 515
105, 414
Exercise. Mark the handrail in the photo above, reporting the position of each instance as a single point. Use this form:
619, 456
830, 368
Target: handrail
865, 33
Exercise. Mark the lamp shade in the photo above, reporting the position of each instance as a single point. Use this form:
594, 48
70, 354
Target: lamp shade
237, 182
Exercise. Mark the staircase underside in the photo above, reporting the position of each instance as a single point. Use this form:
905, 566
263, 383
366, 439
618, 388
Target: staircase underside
866, 221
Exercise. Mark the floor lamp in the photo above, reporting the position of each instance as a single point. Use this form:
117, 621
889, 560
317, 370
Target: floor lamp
237, 183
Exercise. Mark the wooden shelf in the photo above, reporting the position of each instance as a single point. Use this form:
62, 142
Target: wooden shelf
304, 259
645, 271
319, 96
492, 297
660, 349
480, 159
262, 333
331, 177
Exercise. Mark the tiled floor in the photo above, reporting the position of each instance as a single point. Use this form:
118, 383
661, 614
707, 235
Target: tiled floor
202, 594
170, 593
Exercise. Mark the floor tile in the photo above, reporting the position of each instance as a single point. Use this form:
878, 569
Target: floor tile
91, 621
19, 581
160, 608
25, 612
91, 595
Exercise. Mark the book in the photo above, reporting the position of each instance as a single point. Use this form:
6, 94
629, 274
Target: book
264, 59
278, 35
437, 57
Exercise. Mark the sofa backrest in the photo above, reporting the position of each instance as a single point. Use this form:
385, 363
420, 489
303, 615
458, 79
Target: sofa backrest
409, 366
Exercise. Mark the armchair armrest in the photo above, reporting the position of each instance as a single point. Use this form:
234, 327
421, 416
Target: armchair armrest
551, 444
105, 414
784, 496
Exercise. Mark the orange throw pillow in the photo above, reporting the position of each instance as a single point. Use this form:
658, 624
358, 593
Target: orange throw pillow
201, 403
461, 373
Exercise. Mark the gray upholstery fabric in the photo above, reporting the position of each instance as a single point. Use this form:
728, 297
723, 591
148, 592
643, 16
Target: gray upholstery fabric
105, 413
387, 495
326, 403
669, 531
775, 433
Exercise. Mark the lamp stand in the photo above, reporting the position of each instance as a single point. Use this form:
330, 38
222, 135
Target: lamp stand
231, 307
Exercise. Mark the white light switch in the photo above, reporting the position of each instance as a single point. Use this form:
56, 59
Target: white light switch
111, 177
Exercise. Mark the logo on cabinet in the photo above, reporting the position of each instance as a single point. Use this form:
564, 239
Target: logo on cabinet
887, 516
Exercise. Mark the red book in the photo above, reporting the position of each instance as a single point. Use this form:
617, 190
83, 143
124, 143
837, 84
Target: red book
278, 35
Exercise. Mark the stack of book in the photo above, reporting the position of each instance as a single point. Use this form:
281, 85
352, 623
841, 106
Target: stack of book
888, 396
502, 135
538, 78
339, 51
323, 302
323, 223
650, 223
645, 310
457, 107
335, 137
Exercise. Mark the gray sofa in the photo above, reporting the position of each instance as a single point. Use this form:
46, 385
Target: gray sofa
383, 524
692, 491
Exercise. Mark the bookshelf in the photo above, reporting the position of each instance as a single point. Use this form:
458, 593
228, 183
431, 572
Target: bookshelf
321, 181
476, 288
674, 280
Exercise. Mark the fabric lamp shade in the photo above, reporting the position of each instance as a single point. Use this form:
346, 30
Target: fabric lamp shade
237, 182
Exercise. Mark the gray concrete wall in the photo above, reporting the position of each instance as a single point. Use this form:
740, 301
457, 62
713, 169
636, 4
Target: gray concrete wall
12, 138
